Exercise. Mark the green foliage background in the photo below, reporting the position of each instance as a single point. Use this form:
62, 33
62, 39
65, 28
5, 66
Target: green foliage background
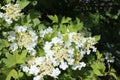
97, 20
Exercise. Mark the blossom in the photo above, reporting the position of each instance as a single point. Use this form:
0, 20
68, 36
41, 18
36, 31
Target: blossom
24, 37
63, 65
90, 42
46, 31
39, 60
11, 36
55, 73
20, 28
59, 54
13, 46
8, 21
25, 68
33, 70
1, 15
70, 61
37, 78
78, 66
56, 40
12, 12
109, 57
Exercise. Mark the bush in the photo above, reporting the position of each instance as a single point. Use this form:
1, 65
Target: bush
44, 40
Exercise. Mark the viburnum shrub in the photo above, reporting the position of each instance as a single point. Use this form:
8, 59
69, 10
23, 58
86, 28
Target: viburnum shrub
31, 50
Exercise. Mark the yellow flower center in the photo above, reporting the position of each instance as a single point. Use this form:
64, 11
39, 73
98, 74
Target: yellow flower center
11, 11
60, 52
24, 39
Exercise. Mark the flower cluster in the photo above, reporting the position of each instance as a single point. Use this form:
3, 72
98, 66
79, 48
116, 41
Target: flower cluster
109, 57
12, 12
23, 37
46, 31
60, 54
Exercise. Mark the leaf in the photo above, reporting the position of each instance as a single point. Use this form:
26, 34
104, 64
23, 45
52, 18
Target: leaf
13, 73
53, 18
63, 28
3, 43
98, 68
14, 59
36, 21
99, 56
65, 20
7, 1
114, 75
97, 37
23, 3
20, 74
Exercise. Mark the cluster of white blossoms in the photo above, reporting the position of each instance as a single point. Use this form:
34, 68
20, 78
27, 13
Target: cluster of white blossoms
109, 57
60, 54
45, 31
23, 37
12, 12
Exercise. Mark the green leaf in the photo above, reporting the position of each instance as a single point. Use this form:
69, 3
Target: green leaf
99, 56
65, 20
63, 28
23, 3
36, 21
97, 37
14, 59
3, 43
7, 1
114, 75
6, 43
98, 68
13, 73
53, 18
20, 74
65, 37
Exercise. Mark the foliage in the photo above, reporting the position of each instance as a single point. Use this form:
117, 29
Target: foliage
31, 42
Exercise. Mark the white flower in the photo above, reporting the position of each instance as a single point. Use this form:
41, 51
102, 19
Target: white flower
37, 78
60, 35
1, 15
68, 43
33, 35
39, 60
9, 21
71, 35
46, 31
88, 52
33, 70
12, 12
20, 28
11, 37
70, 61
24, 37
78, 66
42, 33
47, 46
55, 63
33, 52
47, 49
70, 51
56, 40
25, 68
49, 54
63, 65
109, 57
94, 49
13, 46
55, 73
